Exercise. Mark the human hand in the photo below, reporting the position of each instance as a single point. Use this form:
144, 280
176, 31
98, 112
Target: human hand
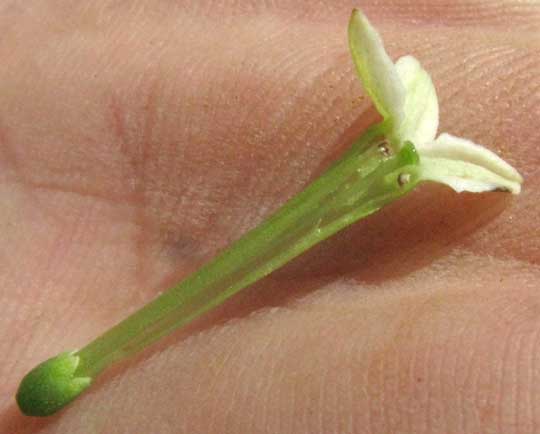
137, 143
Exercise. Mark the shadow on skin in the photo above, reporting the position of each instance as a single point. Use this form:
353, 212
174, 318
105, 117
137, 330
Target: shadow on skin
12, 421
402, 238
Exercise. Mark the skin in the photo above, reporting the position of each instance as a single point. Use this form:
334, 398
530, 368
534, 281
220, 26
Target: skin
137, 139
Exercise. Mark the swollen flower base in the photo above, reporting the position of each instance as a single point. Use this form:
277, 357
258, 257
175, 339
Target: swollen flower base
387, 162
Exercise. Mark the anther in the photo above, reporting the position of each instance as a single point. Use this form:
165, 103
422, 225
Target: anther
384, 148
403, 179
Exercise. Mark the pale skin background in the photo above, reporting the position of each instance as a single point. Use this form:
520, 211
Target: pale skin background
139, 138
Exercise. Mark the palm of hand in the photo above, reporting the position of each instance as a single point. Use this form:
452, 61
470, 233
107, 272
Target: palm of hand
135, 143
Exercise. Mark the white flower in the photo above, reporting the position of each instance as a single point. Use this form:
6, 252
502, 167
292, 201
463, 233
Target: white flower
404, 95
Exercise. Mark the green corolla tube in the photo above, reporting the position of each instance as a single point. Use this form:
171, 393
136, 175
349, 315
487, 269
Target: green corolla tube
354, 187
380, 167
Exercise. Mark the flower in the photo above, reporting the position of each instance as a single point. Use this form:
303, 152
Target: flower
404, 95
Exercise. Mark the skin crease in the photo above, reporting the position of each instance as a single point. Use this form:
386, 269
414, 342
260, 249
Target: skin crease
137, 139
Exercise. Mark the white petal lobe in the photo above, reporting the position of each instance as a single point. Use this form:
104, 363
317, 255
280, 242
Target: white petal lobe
455, 148
375, 68
421, 109
464, 176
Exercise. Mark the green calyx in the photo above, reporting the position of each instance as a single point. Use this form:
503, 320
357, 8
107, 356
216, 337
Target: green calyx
51, 385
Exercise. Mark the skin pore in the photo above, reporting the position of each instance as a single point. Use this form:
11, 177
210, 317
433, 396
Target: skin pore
137, 141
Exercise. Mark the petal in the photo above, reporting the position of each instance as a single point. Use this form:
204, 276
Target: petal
466, 166
457, 148
376, 70
463, 176
421, 109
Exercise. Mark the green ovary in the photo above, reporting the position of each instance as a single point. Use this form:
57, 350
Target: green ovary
51, 385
